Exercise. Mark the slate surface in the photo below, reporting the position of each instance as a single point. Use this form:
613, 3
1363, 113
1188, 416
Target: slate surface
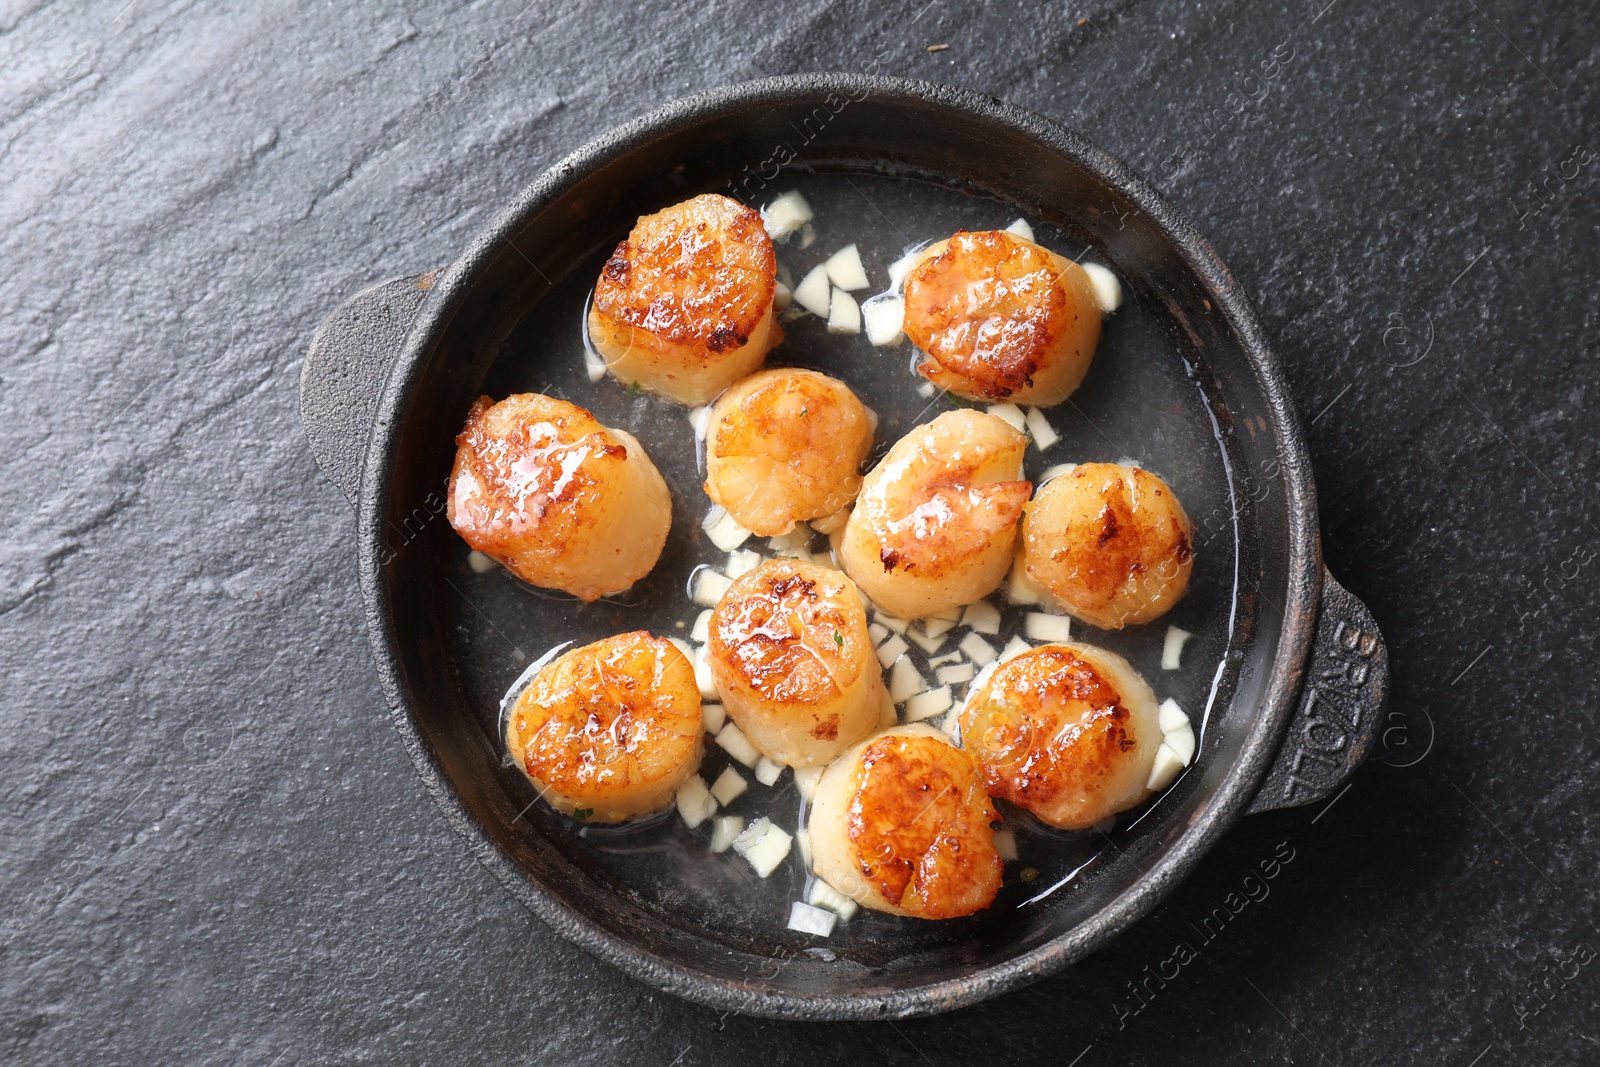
215, 849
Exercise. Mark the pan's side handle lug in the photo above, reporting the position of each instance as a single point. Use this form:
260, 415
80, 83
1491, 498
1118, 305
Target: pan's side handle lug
346, 368
1337, 720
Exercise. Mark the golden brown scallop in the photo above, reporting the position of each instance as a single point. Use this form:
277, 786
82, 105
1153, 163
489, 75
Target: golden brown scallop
1000, 318
901, 824
684, 306
561, 500
609, 731
1110, 544
936, 520
783, 446
791, 657
1067, 731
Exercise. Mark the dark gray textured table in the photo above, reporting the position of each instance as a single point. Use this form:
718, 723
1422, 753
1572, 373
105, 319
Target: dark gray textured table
215, 849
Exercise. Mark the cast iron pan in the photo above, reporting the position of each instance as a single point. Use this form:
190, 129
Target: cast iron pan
1284, 678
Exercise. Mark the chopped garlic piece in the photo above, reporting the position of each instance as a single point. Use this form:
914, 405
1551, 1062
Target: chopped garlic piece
892, 650
1020, 589
948, 657
701, 633
905, 681
1165, 769
885, 317
813, 291
1021, 229
927, 705
702, 676
732, 740
1009, 413
728, 786
1107, 290
878, 632
785, 215
806, 778
724, 830
1044, 435
977, 649
887, 716
723, 531
935, 627
844, 314
1042, 627
768, 772
763, 845
845, 270
742, 562
955, 673
829, 524
810, 920
897, 625
712, 717
709, 585
593, 365
782, 296
1172, 648
683, 646
699, 419
1181, 741
1172, 715
480, 563
1005, 843
823, 895
902, 266
924, 641
926, 389
1014, 647
695, 802
952, 724
983, 617
793, 543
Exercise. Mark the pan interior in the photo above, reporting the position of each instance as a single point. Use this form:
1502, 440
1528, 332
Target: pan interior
1155, 395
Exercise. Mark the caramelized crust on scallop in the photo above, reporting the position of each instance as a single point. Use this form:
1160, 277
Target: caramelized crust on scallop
902, 824
1066, 731
934, 525
559, 499
791, 657
610, 729
684, 305
1111, 544
1001, 318
784, 446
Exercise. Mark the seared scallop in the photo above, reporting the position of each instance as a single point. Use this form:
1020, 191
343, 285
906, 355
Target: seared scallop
936, 520
609, 731
1000, 318
561, 500
1110, 544
791, 657
901, 824
684, 306
1067, 731
783, 446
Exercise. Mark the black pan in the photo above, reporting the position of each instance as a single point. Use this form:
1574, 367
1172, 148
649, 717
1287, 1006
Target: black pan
1290, 670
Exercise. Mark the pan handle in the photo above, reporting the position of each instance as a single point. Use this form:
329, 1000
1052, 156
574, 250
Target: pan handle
1337, 720
345, 369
